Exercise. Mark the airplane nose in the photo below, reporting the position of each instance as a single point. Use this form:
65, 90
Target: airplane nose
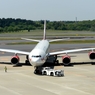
36, 62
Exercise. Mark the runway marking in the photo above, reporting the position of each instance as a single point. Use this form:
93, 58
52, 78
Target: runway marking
16, 93
79, 90
58, 85
56, 93
73, 73
40, 87
59, 91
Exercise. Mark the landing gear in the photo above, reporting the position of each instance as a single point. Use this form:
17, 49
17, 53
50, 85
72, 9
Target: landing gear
51, 61
38, 70
27, 60
57, 62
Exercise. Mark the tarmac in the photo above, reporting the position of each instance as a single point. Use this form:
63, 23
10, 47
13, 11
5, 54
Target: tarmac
78, 79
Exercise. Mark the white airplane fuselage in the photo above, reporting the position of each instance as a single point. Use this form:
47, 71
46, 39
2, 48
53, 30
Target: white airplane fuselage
38, 55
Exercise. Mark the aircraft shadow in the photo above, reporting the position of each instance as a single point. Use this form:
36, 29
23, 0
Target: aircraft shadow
78, 63
51, 64
70, 65
17, 65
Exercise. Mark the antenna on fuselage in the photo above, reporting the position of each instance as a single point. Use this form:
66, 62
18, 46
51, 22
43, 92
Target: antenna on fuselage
44, 35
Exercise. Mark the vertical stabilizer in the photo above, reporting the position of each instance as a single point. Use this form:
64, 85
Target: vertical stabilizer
44, 36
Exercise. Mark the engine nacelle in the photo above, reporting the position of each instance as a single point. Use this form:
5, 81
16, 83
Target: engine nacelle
15, 59
92, 55
66, 59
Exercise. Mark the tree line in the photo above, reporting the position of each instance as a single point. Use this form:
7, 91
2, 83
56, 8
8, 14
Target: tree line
13, 25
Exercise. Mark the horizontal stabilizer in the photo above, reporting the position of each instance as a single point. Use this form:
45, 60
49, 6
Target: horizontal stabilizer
58, 40
31, 40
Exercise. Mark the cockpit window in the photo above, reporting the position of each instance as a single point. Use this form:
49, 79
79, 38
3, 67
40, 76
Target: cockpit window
36, 56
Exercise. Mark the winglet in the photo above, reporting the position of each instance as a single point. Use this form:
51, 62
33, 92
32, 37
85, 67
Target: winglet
44, 35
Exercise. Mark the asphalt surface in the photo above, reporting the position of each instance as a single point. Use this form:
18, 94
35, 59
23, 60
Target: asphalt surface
78, 79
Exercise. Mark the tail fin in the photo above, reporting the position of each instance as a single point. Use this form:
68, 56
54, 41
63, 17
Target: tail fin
44, 35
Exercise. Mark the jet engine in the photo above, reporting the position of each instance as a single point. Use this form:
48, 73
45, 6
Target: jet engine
15, 59
92, 55
66, 59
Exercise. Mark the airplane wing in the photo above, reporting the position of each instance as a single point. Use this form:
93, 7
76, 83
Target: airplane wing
70, 51
15, 51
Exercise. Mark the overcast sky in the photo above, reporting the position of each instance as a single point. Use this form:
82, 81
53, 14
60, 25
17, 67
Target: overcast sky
53, 10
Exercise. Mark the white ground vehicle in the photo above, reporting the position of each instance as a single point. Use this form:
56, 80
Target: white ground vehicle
51, 72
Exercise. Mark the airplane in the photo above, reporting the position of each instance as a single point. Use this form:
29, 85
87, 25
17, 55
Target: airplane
40, 53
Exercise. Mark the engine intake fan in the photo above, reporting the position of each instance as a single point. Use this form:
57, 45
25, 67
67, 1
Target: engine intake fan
66, 59
15, 59
92, 55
